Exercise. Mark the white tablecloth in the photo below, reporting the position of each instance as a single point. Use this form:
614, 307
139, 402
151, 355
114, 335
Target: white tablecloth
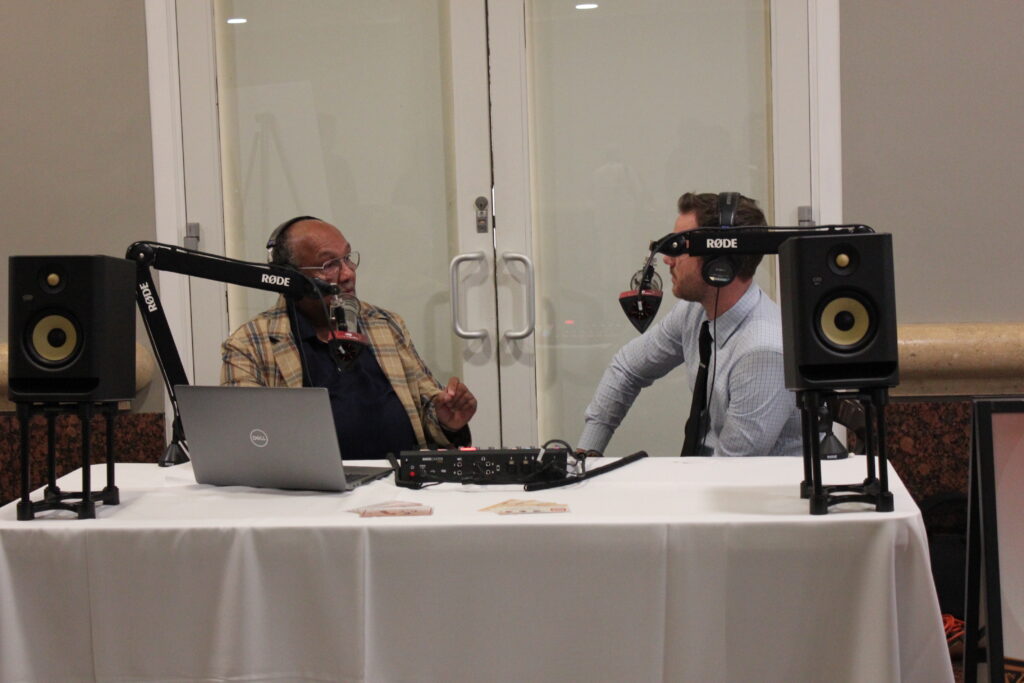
670, 569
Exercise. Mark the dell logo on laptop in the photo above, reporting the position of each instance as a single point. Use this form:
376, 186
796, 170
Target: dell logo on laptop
259, 438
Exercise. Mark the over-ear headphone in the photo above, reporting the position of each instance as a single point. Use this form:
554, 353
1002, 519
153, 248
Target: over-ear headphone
277, 237
718, 271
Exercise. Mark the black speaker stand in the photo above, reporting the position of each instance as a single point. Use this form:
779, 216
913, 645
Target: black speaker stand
875, 488
81, 502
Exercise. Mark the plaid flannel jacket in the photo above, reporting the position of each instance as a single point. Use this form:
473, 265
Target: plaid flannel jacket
263, 353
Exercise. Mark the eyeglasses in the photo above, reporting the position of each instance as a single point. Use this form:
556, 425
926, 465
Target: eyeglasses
333, 267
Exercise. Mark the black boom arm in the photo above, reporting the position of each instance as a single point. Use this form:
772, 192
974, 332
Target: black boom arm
174, 259
745, 240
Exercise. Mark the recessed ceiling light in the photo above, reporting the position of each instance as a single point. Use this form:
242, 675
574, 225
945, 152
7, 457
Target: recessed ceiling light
237, 20
587, 5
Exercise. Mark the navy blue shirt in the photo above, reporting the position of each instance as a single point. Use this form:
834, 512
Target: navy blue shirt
368, 416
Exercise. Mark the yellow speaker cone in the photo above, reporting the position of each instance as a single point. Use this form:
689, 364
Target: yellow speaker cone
845, 322
842, 260
53, 279
54, 338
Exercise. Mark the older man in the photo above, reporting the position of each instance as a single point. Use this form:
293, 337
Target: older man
387, 400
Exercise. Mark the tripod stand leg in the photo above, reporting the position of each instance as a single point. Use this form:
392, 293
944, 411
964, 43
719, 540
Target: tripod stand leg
110, 496
86, 508
811, 401
25, 510
807, 485
871, 485
52, 492
884, 502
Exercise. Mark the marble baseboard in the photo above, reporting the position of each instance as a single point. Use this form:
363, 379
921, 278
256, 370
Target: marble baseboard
138, 437
929, 445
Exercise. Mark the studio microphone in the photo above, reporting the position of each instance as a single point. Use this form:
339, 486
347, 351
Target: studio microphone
641, 301
312, 287
346, 342
324, 288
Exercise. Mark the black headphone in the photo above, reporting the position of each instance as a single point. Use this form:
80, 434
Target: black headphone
278, 236
273, 243
718, 271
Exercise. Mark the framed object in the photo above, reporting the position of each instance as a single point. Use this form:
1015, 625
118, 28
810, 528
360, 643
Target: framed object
994, 609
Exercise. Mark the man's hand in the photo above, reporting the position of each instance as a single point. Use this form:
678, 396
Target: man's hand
455, 405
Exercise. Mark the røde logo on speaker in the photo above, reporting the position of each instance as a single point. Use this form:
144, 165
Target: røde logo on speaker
259, 438
721, 243
276, 280
147, 296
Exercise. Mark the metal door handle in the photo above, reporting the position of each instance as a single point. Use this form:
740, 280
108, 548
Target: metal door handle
454, 271
531, 314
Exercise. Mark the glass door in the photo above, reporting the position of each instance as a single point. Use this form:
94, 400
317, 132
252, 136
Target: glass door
372, 116
578, 128
603, 114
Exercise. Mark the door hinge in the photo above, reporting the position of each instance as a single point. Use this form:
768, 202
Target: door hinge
191, 240
805, 216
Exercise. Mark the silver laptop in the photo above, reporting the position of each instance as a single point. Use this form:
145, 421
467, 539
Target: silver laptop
274, 438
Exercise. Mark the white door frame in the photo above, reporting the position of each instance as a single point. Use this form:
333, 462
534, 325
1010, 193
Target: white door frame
168, 170
172, 111
510, 142
806, 121
204, 199
471, 176
826, 111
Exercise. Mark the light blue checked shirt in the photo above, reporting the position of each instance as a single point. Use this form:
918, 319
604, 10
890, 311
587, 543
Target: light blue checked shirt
750, 410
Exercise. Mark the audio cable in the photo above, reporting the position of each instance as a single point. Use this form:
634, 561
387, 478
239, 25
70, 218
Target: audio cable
621, 462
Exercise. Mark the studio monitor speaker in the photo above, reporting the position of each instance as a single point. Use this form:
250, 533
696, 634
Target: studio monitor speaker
839, 312
71, 329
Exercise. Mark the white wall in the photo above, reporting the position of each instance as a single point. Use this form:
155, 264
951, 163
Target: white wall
77, 173
933, 149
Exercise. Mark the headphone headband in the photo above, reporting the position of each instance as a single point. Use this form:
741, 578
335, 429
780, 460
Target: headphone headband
728, 202
279, 231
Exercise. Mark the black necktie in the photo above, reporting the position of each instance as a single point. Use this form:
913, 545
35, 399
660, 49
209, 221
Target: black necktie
695, 423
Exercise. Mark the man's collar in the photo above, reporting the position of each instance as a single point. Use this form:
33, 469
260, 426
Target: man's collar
727, 323
304, 327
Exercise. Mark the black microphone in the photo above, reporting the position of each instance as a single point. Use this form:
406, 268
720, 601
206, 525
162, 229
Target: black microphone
345, 342
312, 287
325, 288
641, 301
